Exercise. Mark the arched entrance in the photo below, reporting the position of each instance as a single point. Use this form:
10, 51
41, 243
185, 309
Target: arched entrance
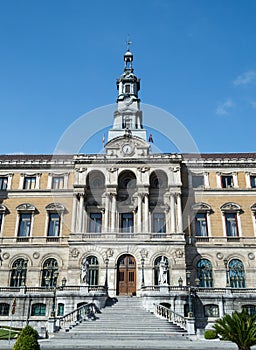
126, 275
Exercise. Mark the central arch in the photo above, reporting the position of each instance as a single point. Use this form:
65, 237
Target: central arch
126, 275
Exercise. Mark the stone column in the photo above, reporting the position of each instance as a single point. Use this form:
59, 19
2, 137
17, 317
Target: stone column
81, 210
106, 226
113, 212
172, 205
146, 208
139, 213
74, 213
179, 213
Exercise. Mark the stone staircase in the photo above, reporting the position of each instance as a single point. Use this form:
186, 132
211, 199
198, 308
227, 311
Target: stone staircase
125, 320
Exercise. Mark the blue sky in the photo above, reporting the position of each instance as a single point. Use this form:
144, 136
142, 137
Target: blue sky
59, 59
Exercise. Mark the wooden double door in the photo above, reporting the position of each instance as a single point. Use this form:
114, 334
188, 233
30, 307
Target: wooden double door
126, 275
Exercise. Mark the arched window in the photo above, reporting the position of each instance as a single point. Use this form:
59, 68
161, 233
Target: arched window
4, 309
19, 273
236, 274
93, 270
204, 273
157, 270
50, 273
38, 309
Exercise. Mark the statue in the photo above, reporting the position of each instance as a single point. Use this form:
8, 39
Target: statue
85, 271
162, 280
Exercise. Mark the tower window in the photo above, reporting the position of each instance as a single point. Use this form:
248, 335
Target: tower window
127, 88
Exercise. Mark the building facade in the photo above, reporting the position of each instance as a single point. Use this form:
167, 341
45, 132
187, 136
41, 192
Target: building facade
173, 229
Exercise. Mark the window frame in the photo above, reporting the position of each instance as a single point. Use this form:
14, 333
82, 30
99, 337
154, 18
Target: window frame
54, 209
193, 180
18, 272
210, 310
40, 308
95, 223
24, 225
224, 181
234, 209
205, 275
159, 222
4, 309
127, 222
29, 180
3, 183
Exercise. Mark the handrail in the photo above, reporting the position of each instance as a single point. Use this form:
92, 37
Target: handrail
77, 316
171, 316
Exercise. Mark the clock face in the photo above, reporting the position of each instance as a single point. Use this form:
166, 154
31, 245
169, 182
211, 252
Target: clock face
127, 148
128, 100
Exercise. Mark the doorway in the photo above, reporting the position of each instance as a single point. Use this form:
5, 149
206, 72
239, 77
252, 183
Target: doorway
126, 275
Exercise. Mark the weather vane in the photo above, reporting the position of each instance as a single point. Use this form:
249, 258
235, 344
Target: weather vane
128, 42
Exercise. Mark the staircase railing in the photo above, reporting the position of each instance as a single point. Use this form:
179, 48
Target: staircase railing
169, 315
77, 316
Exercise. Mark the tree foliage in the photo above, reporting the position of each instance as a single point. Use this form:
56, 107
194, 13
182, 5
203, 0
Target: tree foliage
27, 340
239, 328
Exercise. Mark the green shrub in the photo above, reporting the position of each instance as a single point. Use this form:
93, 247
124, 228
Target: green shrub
27, 340
210, 334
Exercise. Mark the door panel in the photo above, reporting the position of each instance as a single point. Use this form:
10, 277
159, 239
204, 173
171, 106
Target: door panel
126, 283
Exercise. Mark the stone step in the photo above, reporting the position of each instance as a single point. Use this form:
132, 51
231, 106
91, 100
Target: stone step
125, 319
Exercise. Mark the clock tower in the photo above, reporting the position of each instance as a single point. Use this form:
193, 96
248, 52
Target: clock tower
128, 115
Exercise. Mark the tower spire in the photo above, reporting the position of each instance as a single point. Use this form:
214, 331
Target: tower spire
128, 114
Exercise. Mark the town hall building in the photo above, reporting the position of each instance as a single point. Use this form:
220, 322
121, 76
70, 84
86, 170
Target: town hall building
177, 231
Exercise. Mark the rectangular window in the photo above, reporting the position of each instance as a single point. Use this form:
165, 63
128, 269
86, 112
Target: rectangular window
3, 183
201, 224
127, 222
253, 181
227, 181
54, 225
159, 223
4, 309
211, 311
57, 182
38, 310
95, 222
127, 88
231, 224
29, 183
60, 310
198, 181
24, 225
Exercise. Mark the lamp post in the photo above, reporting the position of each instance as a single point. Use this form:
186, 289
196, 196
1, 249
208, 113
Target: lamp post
106, 276
190, 306
55, 279
142, 271
227, 272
